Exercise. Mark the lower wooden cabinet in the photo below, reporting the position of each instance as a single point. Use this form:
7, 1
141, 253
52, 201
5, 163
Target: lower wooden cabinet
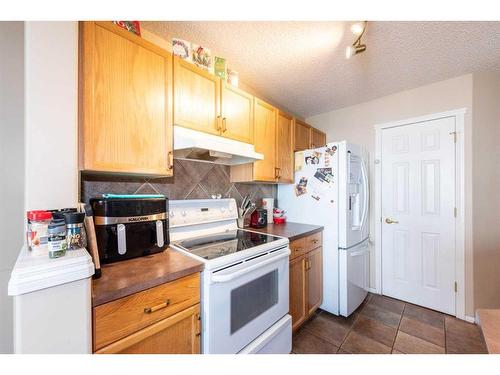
163, 319
298, 297
314, 267
178, 334
306, 278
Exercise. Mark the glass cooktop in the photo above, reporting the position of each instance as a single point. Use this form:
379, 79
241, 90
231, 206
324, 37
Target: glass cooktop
225, 243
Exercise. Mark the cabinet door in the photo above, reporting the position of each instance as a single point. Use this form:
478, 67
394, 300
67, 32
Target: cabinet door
196, 98
265, 116
178, 334
284, 148
237, 114
297, 295
318, 138
302, 136
125, 102
314, 279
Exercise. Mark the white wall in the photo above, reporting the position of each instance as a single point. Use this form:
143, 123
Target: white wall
51, 74
355, 124
486, 200
11, 165
38, 135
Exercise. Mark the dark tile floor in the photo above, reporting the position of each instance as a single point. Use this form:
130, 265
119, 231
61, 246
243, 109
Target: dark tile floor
385, 325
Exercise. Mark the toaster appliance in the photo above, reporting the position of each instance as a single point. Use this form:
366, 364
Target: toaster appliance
130, 227
258, 218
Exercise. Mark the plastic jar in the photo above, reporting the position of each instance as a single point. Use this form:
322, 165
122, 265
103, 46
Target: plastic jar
57, 244
76, 237
37, 236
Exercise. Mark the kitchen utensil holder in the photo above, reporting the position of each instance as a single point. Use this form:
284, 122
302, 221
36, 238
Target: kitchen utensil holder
244, 222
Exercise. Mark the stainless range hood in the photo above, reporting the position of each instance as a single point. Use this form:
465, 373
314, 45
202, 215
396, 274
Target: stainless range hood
194, 145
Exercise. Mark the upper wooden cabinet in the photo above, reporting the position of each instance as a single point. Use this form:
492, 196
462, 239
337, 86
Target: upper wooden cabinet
318, 138
302, 135
237, 114
284, 148
196, 98
273, 137
125, 106
308, 137
203, 102
265, 116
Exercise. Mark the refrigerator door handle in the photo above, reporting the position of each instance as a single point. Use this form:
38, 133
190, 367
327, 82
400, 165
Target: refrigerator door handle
366, 193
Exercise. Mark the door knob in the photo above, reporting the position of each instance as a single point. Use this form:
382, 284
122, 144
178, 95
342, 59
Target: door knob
390, 221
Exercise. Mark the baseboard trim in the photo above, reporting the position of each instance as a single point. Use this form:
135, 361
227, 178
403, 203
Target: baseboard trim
373, 290
470, 319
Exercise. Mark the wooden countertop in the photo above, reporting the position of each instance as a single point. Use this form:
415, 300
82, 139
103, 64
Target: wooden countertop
290, 230
489, 320
121, 279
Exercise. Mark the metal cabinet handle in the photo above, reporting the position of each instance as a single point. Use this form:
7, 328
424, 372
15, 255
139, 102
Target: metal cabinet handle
198, 326
297, 249
218, 123
277, 172
390, 221
315, 241
170, 160
149, 310
224, 125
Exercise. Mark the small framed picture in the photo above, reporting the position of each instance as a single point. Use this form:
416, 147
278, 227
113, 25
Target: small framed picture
181, 48
202, 57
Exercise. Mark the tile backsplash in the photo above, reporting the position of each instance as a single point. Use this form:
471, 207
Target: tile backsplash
191, 180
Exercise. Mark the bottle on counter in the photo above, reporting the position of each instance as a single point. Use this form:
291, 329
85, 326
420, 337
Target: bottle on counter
37, 234
56, 242
76, 237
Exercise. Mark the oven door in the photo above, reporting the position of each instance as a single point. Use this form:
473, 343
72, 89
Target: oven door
244, 301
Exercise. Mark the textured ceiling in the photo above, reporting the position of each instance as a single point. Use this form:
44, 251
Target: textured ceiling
302, 67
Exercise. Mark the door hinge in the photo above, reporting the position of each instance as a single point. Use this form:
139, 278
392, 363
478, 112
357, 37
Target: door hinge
456, 287
454, 136
455, 212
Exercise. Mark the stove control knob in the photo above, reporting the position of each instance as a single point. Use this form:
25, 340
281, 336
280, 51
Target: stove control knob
171, 213
222, 209
184, 213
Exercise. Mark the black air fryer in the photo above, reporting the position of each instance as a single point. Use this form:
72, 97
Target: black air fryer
130, 227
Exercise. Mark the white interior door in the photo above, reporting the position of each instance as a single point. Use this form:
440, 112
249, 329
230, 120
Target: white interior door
418, 220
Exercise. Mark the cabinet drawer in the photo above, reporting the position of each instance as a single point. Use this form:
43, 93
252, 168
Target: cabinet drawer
313, 241
117, 319
297, 247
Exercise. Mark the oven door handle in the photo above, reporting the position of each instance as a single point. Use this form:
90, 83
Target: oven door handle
224, 278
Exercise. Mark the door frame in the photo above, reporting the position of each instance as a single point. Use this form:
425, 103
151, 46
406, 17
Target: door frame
459, 115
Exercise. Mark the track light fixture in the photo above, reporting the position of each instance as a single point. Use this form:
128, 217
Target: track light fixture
357, 29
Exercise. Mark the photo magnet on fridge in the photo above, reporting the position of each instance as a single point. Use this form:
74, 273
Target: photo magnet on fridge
331, 151
324, 175
314, 158
301, 187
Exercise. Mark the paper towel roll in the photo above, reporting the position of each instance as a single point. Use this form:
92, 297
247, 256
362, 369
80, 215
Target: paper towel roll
268, 204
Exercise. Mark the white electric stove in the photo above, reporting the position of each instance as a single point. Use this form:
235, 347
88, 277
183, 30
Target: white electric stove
244, 296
